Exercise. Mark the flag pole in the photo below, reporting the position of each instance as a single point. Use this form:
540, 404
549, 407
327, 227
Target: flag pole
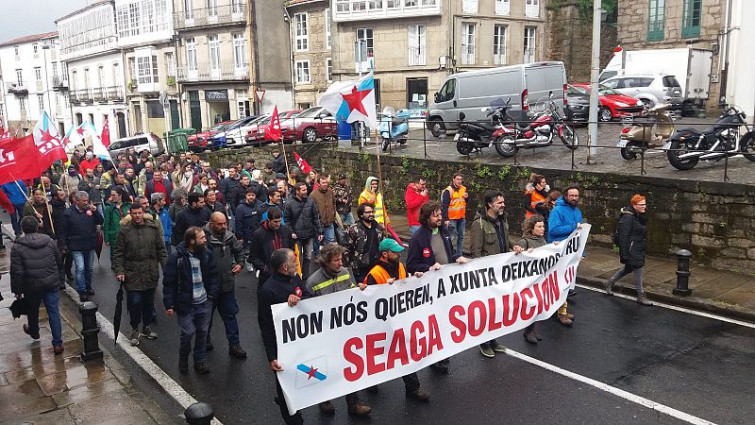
285, 160
47, 205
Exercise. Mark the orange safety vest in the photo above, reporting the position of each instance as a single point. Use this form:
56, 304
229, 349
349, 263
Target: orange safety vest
535, 198
457, 209
381, 276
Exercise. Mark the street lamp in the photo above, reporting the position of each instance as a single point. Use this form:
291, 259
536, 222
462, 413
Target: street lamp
598, 14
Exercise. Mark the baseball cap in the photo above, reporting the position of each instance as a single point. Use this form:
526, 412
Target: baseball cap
389, 244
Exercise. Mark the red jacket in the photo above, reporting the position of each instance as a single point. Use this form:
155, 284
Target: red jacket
87, 164
414, 201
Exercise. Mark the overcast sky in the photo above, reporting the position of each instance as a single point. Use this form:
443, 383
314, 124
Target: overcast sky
26, 17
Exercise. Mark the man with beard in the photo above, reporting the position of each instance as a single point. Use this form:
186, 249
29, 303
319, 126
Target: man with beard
229, 184
91, 185
211, 205
344, 199
283, 286
190, 216
490, 236
58, 207
158, 184
364, 238
565, 218
325, 199
130, 182
37, 207
248, 217
274, 201
302, 215
190, 284
79, 235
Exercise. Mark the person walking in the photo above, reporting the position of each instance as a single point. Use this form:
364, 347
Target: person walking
271, 236
158, 184
69, 181
372, 195
115, 210
211, 205
283, 286
229, 257
302, 215
565, 218
39, 208
416, 195
190, 216
81, 223
631, 237
489, 235
34, 264
533, 237
344, 199
17, 195
330, 278
90, 184
190, 284
454, 202
248, 217
159, 212
138, 253
364, 238
58, 208
535, 196
325, 199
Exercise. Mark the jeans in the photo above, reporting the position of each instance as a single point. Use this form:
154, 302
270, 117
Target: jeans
636, 273
168, 247
50, 299
228, 308
141, 305
195, 322
83, 262
413, 229
329, 233
15, 218
306, 250
347, 218
289, 419
457, 227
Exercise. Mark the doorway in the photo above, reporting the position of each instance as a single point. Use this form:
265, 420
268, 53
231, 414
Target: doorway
196, 110
121, 117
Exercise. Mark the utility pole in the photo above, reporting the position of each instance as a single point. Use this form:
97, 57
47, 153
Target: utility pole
592, 138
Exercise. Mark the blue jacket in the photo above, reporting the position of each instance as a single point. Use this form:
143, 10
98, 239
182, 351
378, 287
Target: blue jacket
15, 194
248, 220
79, 231
563, 220
167, 224
420, 256
178, 285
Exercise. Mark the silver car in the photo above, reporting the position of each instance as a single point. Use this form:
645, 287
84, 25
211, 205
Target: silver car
140, 143
650, 89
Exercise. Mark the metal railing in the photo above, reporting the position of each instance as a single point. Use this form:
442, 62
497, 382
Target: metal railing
207, 73
97, 94
59, 83
16, 87
219, 15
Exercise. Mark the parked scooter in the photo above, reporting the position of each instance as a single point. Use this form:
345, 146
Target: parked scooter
473, 136
533, 132
394, 127
645, 133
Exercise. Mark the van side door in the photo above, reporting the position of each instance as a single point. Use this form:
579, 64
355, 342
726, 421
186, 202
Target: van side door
445, 100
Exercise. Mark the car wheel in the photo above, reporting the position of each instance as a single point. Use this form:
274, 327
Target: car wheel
648, 103
309, 135
604, 114
436, 126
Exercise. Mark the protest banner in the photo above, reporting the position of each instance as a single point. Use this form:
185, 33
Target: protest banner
336, 344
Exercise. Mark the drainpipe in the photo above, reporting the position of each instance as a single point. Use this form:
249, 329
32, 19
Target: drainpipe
287, 18
727, 38
253, 56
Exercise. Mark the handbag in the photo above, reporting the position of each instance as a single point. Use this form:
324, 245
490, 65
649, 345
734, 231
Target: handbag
19, 308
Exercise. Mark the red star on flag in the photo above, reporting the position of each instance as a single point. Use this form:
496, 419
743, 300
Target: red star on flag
80, 130
312, 373
47, 137
354, 100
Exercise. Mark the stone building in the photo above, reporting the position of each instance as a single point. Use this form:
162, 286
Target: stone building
270, 65
311, 48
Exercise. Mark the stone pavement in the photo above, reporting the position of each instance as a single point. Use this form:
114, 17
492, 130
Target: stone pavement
38, 387
715, 291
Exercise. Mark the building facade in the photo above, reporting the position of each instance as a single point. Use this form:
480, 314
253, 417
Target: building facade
89, 47
34, 80
737, 83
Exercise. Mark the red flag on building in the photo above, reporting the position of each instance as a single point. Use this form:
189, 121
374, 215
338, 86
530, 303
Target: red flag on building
105, 137
303, 164
47, 140
273, 131
18, 159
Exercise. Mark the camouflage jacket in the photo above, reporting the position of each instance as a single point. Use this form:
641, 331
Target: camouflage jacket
344, 198
357, 247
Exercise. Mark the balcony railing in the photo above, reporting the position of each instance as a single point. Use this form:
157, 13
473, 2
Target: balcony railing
17, 88
360, 10
59, 83
206, 73
98, 94
417, 56
220, 15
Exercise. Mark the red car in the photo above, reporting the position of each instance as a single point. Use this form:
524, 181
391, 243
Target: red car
309, 125
258, 136
614, 104
201, 141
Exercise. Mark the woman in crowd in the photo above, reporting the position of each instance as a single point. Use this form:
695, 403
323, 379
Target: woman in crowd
533, 237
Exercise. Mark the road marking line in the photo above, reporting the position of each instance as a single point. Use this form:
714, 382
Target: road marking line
678, 308
662, 408
170, 386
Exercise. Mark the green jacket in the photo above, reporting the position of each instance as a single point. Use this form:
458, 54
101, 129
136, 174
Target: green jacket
113, 217
484, 237
138, 251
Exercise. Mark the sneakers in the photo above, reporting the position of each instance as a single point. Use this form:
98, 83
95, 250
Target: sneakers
565, 320
487, 351
134, 337
149, 333
201, 368
418, 395
530, 337
57, 349
498, 348
608, 286
357, 408
32, 335
642, 298
326, 408
237, 351
183, 366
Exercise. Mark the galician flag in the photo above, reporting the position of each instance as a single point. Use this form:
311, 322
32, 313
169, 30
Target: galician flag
48, 142
352, 101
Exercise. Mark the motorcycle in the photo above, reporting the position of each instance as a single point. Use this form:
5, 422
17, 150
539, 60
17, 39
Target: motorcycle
394, 127
646, 133
688, 145
534, 132
473, 136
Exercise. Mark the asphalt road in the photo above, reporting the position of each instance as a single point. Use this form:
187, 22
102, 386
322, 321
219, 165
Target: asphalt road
696, 365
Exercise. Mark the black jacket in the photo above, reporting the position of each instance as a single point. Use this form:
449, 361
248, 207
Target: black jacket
420, 256
247, 219
266, 240
274, 291
79, 231
208, 209
34, 262
186, 218
227, 186
303, 217
279, 164
227, 251
632, 237
58, 209
178, 285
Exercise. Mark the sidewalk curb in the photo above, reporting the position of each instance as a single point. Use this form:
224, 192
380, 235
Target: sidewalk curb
688, 302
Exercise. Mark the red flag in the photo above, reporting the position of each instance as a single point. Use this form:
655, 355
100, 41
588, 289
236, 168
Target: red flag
273, 131
105, 137
47, 140
5, 203
18, 159
303, 164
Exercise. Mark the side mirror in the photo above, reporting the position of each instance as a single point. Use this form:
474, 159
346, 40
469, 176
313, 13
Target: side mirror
436, 97
550, 95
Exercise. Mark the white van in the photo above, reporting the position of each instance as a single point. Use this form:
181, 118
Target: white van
527, 85
140, 142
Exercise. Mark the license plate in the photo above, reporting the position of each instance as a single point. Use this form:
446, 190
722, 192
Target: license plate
457, 137
622, 143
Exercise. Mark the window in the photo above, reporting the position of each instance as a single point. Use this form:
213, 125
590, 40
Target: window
329, 69
188, 9
410, 3
133, 18
375, 4
302, 72
502, 7
116, 74
656, 19
41, 103
20, 77
302, 32
191, 54
499, 45
132, 67
22, 105
239, 56
144, 70
468, 44
691, 18
212, 8
38, 74
469, 6
64, 70
214, 52
327, 28
343, 5
15, 51
237, 6
358, 5
35, 47
446, 92
532, 8
417, 45
170, 63
529, 44
365, 34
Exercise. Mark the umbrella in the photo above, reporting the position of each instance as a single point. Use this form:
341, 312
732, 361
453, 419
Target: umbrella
98, 249
118, 312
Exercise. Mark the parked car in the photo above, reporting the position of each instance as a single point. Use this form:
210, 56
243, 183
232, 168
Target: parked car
650, 89
232, 135
201, 141
612, 103
258, 136
309, 125
577, 104
140, 143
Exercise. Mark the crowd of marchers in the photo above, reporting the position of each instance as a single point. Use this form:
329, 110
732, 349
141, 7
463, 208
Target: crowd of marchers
299, 234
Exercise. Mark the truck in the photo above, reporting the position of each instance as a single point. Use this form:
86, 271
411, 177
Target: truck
532, 85
690, 66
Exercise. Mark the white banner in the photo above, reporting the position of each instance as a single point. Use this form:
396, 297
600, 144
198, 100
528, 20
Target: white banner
337, 344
